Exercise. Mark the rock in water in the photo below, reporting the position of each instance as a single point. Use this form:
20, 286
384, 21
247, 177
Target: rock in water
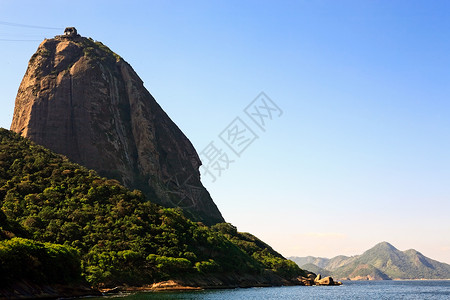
80, 99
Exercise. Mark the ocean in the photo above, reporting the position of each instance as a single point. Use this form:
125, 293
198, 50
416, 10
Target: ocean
377, 290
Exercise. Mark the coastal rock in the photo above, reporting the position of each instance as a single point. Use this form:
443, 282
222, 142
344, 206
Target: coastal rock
80, 99
306, 281
325, 281
313, 279
171, 285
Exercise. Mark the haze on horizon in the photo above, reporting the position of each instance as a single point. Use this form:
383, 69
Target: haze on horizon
360, 153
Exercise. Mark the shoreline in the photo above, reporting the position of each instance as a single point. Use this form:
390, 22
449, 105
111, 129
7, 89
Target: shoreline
25, 290
29, 290
224, 281
420, 279
397, 279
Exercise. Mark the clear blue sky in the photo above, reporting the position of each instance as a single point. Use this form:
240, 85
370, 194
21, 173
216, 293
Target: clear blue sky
360, 154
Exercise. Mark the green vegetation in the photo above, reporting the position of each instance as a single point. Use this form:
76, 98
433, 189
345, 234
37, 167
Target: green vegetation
259, 250
97, 50
44, 263
121, 237
361, 271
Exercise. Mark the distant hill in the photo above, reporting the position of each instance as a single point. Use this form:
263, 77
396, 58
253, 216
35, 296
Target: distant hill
322, 262
382, 262
310, 260
316, 270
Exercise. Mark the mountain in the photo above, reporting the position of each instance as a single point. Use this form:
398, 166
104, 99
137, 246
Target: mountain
61, 223
82, 100
382, 262
338, 261
360, 271
320, 262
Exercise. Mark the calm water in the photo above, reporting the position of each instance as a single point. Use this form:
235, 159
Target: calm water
349, 290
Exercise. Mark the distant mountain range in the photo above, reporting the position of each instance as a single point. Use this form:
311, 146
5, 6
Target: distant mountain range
382, 262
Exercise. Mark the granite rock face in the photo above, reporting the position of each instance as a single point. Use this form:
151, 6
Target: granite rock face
80, 99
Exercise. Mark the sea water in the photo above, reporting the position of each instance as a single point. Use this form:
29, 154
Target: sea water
426, 289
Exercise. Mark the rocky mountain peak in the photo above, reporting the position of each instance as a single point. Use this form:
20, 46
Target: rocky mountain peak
80, 99
385, 246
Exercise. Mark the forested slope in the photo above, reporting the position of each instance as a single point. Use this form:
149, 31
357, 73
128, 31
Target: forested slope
117, 235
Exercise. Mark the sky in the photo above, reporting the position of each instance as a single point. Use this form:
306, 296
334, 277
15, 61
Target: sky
355, 144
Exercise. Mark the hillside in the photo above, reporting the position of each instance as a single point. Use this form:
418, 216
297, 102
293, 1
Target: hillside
80, 99
117, 236
382, 262
322, 262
